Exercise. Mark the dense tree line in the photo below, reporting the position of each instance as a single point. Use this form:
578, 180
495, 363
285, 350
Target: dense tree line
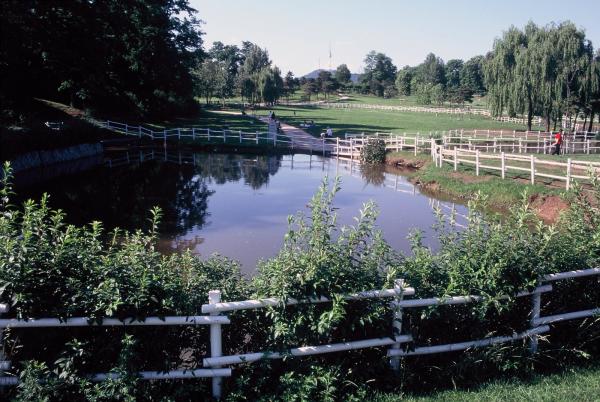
229, 71
118, 56
549, 71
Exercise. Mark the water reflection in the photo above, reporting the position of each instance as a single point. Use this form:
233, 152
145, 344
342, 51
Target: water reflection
233, 204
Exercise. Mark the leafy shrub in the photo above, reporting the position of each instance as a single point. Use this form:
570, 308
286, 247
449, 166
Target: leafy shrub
373, 151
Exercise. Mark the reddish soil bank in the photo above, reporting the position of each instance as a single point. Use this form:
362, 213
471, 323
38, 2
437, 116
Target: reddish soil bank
548, 207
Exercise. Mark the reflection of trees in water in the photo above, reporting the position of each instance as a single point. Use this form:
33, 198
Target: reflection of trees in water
373, 174
122, 197
253, 169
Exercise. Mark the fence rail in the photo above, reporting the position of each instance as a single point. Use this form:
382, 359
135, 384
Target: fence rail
529, 164
225, 136
213, 363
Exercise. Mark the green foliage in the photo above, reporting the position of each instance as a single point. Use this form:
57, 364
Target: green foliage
541, 70
112, 56
320, 259
373, 151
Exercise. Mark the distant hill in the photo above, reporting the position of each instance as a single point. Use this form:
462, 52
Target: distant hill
314, 74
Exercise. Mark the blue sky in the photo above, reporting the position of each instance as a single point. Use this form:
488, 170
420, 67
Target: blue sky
297, 34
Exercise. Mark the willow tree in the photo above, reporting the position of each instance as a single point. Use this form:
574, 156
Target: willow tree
591, 85
539, 71
500, 71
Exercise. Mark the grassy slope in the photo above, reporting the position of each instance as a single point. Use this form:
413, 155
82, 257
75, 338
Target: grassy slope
216, 120
581, 385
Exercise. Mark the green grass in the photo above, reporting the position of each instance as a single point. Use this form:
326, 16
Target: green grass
371, 121
216, 120
479, 102
580, 385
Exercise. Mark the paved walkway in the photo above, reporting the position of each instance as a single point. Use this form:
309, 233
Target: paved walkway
300, 138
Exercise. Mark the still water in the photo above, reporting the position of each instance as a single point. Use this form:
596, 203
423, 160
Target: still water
231, 204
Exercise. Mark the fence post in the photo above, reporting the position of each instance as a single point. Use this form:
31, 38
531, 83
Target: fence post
502, 164
337, 146
257, 138
568, 173
216, 347
397, 320
165, 138
416, 145
477, 162
536, 302
520, 145
126, 129
455, 159
140, 131
532, 159
208, 133
178, 134
588, 146
240, 134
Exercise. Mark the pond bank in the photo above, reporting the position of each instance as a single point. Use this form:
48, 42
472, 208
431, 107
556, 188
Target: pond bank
547, 202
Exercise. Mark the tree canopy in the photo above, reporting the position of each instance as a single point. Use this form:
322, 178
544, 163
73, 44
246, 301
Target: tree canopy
106, 55
545, 71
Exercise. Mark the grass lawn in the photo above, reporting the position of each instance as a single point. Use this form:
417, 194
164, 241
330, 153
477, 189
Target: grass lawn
579, 385
478, 102
216, 120
370, 121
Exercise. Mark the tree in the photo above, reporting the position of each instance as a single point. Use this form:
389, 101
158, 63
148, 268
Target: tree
309, 87
432, 70
111, 55
342, 74
403, 80
327, 83
453, 69
379, 73
210, 78
471, 75
289, 85
230, 56
540, 70
254, 61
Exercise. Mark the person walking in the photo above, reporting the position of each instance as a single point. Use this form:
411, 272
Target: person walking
558, 139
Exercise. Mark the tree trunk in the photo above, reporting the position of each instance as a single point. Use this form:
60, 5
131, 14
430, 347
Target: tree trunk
529, 114
591, 126
548, 121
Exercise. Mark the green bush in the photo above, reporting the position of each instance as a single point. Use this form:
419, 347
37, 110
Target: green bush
373, 151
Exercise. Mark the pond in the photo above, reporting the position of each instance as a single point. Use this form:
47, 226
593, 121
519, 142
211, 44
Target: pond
232, 204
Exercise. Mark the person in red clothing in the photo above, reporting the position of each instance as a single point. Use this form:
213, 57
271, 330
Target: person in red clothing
558, 138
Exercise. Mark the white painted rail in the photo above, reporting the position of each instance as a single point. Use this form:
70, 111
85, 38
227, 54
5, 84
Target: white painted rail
538, 325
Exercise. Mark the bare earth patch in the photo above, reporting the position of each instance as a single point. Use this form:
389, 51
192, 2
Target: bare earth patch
468, 178
548, 207
405, 163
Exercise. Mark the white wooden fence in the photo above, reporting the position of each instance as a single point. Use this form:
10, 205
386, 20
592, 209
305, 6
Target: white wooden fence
213, 365
225, 136
528, 164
